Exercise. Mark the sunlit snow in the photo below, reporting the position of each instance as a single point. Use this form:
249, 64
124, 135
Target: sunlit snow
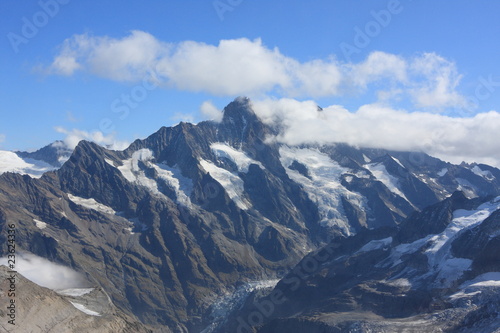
232, 183
438, 247
182, 186
175, 180
40, 224
110, 162
84, 309
75, 292
380, 172
490, 279
241, 160
398, 161
478, 285
91, 204
11, 162
323, 187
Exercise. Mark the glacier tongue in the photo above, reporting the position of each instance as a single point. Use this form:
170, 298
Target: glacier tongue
222, 308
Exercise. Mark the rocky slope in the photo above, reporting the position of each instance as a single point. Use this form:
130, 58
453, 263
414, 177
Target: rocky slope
410, 279
39, 310
187, 218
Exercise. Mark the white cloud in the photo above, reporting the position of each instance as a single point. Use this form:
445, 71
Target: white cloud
452, 139
185, 117
248, 67
316, 78
439, 80
126, 59
75, 135
45, 273
65, 65
233, 67
379, 66
209, 110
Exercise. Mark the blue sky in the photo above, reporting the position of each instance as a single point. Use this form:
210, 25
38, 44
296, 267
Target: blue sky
428, 57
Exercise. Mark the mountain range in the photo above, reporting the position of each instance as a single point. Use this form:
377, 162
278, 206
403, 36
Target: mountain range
218, 227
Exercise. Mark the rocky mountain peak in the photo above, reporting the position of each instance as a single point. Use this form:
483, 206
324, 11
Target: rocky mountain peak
240, 126
239, 113
54, 154
193, 212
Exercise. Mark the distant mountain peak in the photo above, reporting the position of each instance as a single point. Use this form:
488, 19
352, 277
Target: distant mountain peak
54, 154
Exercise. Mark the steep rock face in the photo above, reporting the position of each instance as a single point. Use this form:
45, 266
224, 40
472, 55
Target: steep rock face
435, 219
171, 225
481, 244
444, 280
162, 249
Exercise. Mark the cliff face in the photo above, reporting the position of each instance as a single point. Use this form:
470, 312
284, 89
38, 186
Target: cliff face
443, 280
176, 222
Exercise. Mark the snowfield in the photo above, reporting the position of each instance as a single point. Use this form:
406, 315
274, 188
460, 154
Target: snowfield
323, 187
172, 176
438, 247
11, 162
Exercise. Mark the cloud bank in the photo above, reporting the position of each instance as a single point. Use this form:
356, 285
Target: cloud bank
376, 126
248, 67
425, 82
46, 273
75, 135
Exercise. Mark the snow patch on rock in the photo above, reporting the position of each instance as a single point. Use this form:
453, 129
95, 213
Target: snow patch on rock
84, 309
379, 171
91, 204
242, 161
230, 182
40, 224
